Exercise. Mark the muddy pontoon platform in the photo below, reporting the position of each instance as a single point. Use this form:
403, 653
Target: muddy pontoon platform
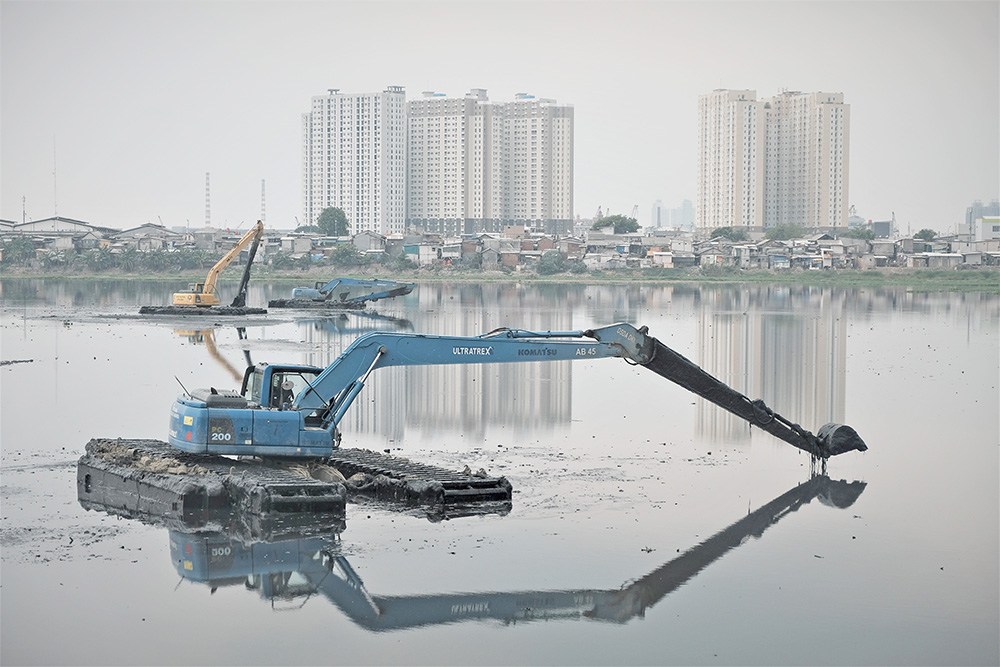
201, 310
151, 477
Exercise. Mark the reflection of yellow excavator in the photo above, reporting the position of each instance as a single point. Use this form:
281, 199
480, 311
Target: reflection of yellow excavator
207, 336
203, 294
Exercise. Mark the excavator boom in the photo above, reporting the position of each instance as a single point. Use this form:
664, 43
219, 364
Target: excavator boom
295, 410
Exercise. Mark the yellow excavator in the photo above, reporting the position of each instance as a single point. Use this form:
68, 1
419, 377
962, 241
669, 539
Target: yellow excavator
203, 294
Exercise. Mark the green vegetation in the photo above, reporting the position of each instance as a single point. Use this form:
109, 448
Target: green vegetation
925, 235
918, 280
333, 222
732, 233
784, 232
622, 224
860, 233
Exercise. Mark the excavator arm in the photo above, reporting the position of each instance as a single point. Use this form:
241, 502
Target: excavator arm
336, 388
307, 425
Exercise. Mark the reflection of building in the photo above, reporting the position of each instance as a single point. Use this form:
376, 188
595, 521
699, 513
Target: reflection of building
467, 398
787, 346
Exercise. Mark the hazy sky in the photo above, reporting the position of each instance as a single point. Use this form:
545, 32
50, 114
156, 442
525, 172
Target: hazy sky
112, 112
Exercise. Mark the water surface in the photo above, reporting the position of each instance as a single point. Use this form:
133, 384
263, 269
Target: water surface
647, 526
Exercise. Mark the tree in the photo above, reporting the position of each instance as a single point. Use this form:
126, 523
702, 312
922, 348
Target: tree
925, 234
784, 232
622, 224
18, 250
551, 262
858, 233
333, 222
346, 255
128, 260
731, 233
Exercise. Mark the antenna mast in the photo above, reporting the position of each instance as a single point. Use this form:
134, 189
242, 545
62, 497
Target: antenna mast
263, 216
208, 203
55, 199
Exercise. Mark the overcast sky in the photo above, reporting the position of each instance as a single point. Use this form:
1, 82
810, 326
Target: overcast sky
112, 112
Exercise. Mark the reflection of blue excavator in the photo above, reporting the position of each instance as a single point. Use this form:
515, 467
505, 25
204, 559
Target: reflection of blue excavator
347, 293
358, 322
294, 411
294, 570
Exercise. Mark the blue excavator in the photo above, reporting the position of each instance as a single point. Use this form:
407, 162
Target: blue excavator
343, 293
294, 411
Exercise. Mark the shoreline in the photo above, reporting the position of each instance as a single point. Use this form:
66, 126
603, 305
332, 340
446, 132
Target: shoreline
925, 280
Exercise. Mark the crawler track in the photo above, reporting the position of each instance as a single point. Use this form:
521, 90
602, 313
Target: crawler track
399, 479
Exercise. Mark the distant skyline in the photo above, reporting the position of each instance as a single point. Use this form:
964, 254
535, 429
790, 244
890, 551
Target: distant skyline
112, 112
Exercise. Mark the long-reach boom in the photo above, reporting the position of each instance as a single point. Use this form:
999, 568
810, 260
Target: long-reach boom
295, 410
203, 294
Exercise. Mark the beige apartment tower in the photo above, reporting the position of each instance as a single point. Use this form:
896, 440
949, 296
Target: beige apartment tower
479, 166
777, 161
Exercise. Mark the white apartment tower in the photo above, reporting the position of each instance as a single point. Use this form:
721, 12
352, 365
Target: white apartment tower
730, 160
781, 160
478, 166
354, 158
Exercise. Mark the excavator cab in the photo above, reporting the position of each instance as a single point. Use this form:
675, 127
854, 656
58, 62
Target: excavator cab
197, 295
276, 387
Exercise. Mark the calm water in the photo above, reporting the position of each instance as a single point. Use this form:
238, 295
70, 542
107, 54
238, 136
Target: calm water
647, 527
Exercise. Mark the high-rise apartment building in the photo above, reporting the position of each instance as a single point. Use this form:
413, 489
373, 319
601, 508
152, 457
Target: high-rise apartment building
806, 154
354, 158
730, 160
476, 165
456, 169
540, 158
782, 160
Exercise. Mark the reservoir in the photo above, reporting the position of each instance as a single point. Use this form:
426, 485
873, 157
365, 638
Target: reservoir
646, 526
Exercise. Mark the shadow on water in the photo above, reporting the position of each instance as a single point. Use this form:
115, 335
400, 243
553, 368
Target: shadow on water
290, 560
